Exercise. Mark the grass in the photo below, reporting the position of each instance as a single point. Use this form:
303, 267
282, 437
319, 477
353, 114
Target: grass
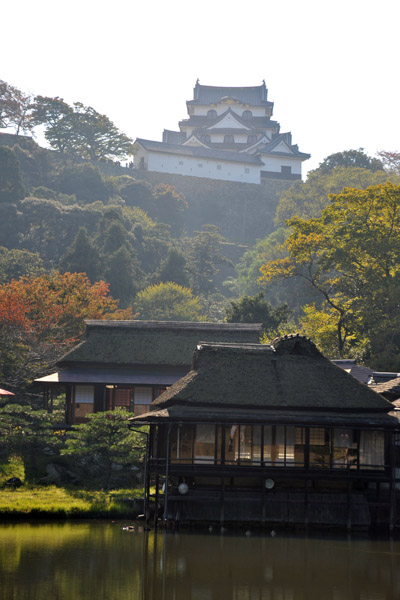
50, 501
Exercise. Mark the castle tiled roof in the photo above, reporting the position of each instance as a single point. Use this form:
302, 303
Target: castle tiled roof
222, 155
207, 94
252, 122
269, 148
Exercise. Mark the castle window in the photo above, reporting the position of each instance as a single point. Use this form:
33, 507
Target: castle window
251, 139
286, 170
247, 114
229, 139
200, 166
205, 138
219, 167
181, 162
212, 114
246, 170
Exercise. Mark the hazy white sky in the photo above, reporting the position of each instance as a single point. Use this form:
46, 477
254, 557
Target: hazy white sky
331, 68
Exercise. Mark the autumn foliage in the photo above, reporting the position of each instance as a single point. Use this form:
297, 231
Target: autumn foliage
41, 317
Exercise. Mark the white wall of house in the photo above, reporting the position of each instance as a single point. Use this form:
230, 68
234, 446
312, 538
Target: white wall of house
198, 167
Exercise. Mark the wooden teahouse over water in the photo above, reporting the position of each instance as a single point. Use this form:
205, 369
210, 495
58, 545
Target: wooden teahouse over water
271, 434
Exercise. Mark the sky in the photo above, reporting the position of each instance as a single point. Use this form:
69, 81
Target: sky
331, 68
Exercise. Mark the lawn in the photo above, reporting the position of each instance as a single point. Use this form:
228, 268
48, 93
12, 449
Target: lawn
51, 501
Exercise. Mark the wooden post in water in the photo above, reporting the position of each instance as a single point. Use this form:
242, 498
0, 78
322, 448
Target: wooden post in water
166, 475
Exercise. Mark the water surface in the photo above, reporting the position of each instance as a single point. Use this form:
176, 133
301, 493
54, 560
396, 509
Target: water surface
103, 561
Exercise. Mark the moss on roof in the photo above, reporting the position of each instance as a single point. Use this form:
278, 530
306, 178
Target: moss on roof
290, 375
152, 342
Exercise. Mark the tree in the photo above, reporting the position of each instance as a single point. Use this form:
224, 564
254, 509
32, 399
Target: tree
82, 257
350, 158
80, 130
56, 116
168, 302
18, 263
351, 256
123, 274
255, 309
86, 182
24, 430
390, 160
96, 137
308, 199
203, 257
41, 317
173, 268
136, 192
14, 108
168, 206
103, 441
11, 186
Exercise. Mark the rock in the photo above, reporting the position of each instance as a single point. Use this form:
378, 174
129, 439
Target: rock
14, 482
58, 474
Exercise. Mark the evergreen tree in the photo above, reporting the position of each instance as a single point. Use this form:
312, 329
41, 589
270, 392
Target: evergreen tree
254, 309
123, 275
11, 186
173, 268
82, 257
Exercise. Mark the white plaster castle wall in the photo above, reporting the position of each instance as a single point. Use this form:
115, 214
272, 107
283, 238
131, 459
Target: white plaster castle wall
190, 165
274, 164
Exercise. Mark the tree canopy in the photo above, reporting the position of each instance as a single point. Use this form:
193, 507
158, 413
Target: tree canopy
255, 309
351, 256
41, 317
80, 129
14, 108
350, 158
168, 302
11, 186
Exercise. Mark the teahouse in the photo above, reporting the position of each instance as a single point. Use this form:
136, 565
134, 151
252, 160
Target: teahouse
127, 364
271, 434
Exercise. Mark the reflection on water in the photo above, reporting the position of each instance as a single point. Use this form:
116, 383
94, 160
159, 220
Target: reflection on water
101, 561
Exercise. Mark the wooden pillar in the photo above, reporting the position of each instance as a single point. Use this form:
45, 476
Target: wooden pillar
166, 475
392, 491
157, 483
306, 503
149, 446
348, 497
222, 500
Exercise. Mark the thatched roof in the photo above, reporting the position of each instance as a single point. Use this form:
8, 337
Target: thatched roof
290, 375
152, 342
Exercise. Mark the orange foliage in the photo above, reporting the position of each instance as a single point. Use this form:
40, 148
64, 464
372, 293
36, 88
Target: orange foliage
54, 306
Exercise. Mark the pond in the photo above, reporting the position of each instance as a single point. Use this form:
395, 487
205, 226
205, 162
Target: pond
104, 561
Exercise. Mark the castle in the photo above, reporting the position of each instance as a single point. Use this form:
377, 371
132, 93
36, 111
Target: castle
228, 135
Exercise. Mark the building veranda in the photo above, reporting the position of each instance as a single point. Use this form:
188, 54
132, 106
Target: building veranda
271, 434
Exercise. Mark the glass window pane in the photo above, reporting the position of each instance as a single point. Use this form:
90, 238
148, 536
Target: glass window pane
290, 432
231, 444
320, 455
268, 444
372, 450
256, 445
344, 448
204, 447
